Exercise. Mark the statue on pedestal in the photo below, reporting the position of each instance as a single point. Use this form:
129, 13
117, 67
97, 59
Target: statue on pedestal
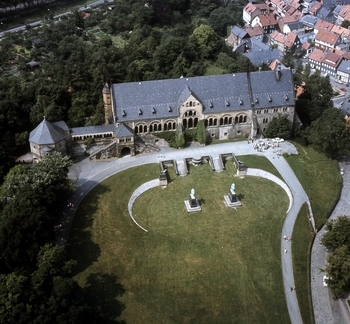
193, 200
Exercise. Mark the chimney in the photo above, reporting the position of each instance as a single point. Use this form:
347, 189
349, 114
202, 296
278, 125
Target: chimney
278, 72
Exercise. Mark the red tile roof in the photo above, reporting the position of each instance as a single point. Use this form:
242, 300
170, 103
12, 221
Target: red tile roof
267, 19
322, 24
327, 37
316, 55
290, 40
345, 12
257, 30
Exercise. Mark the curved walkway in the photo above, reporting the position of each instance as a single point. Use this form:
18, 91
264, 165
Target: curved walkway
88, 174
139, 191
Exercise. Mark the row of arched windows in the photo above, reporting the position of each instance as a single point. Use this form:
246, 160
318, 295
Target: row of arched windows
84, 137
190, 122
225, 120
155, 127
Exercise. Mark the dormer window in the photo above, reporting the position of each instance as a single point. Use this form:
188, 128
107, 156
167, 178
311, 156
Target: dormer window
169, 109
140, 112
211, 104
227, 103
286, 97
124, 113
240, 101
269, 98
153, 110
256, 99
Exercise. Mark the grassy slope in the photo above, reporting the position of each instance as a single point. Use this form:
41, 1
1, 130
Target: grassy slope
215, 266
322, 182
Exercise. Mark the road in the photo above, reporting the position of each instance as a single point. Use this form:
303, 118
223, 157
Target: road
38, 22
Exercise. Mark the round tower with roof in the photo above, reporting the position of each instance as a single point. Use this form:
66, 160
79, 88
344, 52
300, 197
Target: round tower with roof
48, 138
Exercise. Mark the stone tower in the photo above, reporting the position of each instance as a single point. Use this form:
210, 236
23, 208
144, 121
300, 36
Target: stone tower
107, 101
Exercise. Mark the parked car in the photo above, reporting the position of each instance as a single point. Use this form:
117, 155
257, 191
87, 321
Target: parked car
348, 84
343, 89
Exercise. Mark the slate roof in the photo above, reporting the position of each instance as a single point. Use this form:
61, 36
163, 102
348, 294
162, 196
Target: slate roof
218, 94
47, 133
76, 131
344, 66
263, 56
239, 32
309, 21
123, 131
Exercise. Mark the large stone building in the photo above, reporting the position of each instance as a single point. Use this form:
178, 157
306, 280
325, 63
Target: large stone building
231, 106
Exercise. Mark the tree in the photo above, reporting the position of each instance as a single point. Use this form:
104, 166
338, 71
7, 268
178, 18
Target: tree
330, 133
345, 24
337, 239
337, 233
338, 271
206, 36
279, 127
201, 135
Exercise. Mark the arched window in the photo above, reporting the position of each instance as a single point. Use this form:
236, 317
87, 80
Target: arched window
174, 126
151, 128
240, 119
221, 121
145, 129
230, 121
244, 119
215, 122
225, 121
190, 123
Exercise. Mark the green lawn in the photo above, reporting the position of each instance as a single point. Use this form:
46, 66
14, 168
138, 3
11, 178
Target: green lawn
322, 182
301, 249
320, 178
219, 265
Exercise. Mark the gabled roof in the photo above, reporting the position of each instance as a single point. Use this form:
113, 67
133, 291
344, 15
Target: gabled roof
315, 8
344, 66
345, 12
277, 37
267, 19
263, 56
323, 25
327, 37
47, 133
257, 30
290, 39
316, 55
217, 93
239, 32
306, 45
340, 30
332, 59
250, 8
309, 21
123, 131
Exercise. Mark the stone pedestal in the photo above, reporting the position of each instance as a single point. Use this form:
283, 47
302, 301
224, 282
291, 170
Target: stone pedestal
232, 200
192, 205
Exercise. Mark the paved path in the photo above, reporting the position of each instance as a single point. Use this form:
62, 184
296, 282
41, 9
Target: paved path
88, 174
327, 310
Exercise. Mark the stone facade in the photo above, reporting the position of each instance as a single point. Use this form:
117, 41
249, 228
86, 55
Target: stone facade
232, 106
